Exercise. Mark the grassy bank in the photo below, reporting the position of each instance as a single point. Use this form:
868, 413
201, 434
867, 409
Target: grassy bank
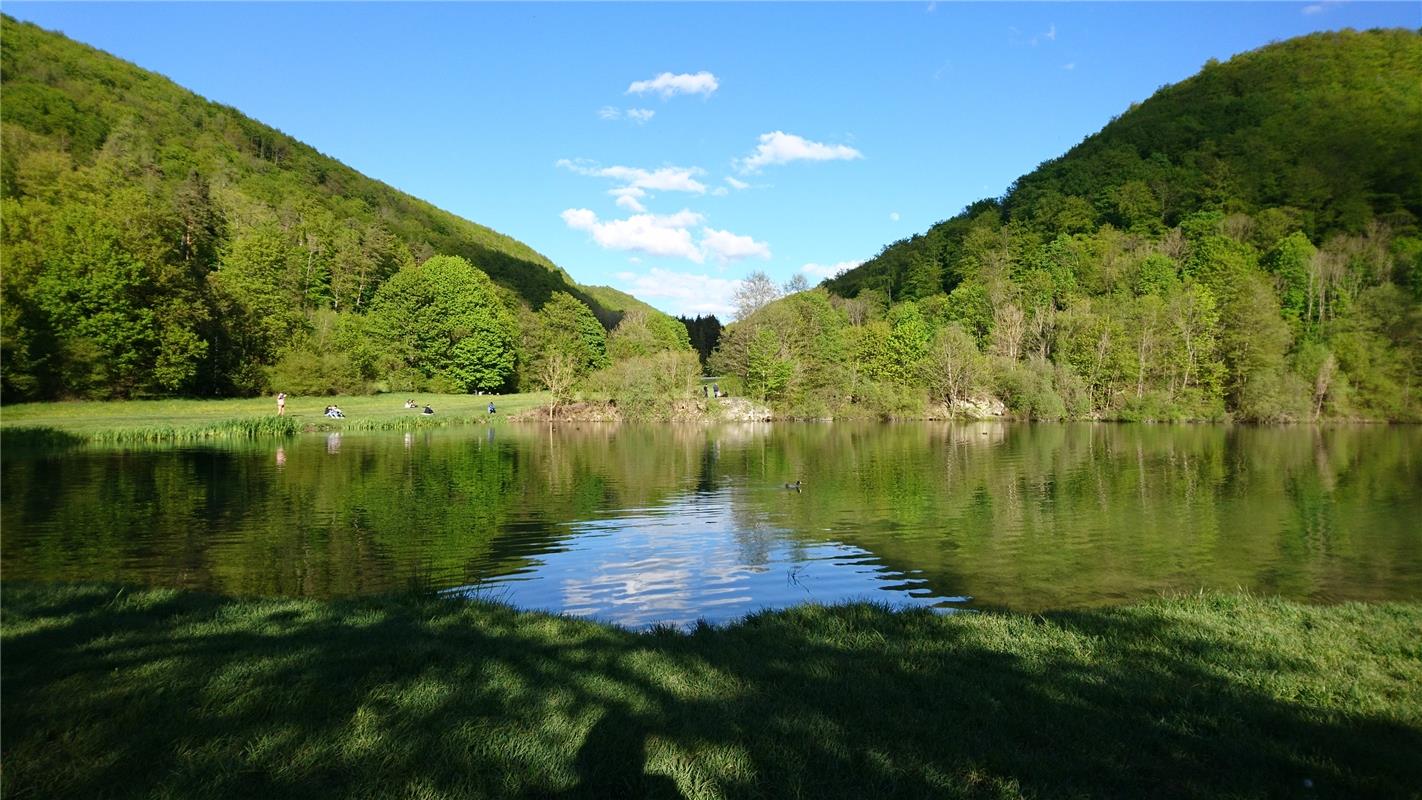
164, 694
135, 421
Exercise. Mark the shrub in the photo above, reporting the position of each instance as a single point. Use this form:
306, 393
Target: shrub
649, 387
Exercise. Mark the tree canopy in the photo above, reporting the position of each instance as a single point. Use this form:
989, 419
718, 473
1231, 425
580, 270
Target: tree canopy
1243, 243
157, 243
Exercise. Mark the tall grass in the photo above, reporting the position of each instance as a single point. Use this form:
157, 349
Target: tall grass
244, 428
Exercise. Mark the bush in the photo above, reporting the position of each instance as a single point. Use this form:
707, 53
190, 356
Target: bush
1027, 389
649, 387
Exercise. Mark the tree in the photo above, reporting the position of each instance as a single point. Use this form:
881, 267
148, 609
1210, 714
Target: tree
643, 333
797, 283
753, 294
446, 323
565, 327
923, 278
559, 373
704, 333
953, 367
1291, 261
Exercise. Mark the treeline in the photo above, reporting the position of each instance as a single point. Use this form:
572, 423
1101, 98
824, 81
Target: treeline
1243, 244
159, 244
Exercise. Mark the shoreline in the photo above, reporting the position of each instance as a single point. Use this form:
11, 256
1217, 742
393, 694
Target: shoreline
143, 692
272, 427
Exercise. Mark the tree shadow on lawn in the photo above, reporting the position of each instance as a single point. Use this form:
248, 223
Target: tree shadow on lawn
191, 695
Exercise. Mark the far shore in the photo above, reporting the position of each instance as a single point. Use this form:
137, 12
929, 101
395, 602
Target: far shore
123, 422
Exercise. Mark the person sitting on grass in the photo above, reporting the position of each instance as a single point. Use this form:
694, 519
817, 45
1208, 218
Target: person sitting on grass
428, 411
335, 412
411, 403
491, 406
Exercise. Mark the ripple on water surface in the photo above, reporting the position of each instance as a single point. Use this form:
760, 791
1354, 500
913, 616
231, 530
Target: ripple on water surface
690, 560
640, 525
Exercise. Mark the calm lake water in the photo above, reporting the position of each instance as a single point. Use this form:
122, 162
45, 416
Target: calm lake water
638, 525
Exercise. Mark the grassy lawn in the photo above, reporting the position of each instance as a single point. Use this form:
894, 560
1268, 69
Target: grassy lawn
152, 693
158, 420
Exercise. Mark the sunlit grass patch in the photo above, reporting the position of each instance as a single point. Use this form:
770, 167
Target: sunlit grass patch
136, 422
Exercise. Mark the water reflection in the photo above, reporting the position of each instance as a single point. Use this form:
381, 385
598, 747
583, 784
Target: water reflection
676, 523
690, 560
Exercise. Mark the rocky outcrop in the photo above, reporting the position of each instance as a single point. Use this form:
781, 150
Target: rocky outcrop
986, 407
740, 409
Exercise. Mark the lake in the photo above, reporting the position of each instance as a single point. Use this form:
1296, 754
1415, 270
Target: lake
671, 524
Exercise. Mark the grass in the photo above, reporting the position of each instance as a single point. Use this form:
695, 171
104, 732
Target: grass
156, 693
139, 421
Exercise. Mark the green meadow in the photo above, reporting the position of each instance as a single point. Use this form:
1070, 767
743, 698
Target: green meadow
157, 693
135, 421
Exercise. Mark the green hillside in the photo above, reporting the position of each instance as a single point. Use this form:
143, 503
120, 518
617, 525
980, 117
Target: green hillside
1243, 243
157, 243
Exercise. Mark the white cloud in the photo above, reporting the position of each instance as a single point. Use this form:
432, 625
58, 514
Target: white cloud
778, 147
653, 234
727, 246
720, 191
667, 84
629, 197
1069, 66
664, 235
894, 215
685, 293
829, 270
580, 219
664, 179
638, 115
737, 184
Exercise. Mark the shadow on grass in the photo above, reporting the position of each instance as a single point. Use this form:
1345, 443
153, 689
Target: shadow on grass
38, 438
163, 694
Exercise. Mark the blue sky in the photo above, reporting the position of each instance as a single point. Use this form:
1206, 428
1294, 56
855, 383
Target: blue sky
783, 137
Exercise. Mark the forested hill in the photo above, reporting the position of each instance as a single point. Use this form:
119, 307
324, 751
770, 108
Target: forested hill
1243, 243
1320, 134
159, 243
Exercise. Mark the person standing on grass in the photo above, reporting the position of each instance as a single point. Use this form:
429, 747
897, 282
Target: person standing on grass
281, 404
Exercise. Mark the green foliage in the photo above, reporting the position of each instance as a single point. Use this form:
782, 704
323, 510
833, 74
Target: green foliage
643, 333
650, 387
159, 244
1028, 389
705, 334
320, 361
567, 328
1190, 259
953, 368
970, 306
1290, 261
794, 352
443, 322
